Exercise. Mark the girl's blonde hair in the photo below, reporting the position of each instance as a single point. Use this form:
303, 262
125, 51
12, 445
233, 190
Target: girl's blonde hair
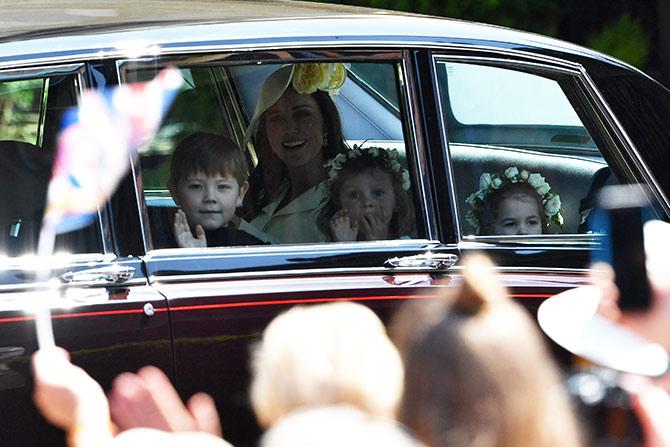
335, 353
478, 372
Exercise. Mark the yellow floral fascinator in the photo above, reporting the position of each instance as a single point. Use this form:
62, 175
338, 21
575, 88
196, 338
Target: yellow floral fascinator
308, 78
304, 78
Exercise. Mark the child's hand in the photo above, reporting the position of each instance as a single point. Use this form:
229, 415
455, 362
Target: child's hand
373, 226
183, 235
342, 227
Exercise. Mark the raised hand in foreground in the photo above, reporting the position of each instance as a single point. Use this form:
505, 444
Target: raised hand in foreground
148, 399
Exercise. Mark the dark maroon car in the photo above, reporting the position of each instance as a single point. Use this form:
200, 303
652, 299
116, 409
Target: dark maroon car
456, 100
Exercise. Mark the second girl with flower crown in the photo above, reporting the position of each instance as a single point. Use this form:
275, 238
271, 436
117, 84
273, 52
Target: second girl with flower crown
368, 197
513, 202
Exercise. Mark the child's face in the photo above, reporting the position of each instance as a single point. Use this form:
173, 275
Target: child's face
517, 214
209, 201
369, 194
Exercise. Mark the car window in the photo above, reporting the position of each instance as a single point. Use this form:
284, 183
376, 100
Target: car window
21, 103
29, 123
378, 82
523, 102
328, 157
523, 159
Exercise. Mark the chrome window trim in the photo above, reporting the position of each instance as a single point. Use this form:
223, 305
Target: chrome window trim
136, 173
542, 64
59, 287
273, 274
41, 286
408, 94
539, 242
43, 72
560, 271
158, 47
445, 142
292, 249
140, 201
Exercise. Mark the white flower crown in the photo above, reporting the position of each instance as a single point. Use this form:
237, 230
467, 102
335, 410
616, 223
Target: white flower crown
489, 182
389, 158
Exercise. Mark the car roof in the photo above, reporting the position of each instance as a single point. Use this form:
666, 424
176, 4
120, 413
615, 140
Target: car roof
39, 17
38, 29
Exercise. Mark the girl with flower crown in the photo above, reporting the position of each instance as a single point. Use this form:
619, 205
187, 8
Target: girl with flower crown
368, 197
297, 129
513, 202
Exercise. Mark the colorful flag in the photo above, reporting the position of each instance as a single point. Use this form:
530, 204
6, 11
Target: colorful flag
96, 142
95, 147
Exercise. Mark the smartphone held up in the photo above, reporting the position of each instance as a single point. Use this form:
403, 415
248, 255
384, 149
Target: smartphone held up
622, 210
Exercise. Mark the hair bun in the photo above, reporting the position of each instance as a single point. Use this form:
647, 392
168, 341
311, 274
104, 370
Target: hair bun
481, 288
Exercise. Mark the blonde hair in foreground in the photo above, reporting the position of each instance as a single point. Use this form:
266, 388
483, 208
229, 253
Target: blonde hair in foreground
478, 372
336, 426
326, 354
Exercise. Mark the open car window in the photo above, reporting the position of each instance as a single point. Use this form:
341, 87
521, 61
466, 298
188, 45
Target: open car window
329, 158
523, 154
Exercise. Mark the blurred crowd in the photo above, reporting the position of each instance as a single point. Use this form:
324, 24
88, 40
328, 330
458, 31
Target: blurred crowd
467, 368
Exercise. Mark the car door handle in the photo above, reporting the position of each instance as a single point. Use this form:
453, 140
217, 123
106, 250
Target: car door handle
424, 261
112, 274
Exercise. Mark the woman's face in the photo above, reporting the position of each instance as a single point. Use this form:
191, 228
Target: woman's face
294, 126
517, 214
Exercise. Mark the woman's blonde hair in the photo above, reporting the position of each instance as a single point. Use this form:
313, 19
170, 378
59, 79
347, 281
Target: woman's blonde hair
326, 354
478, 372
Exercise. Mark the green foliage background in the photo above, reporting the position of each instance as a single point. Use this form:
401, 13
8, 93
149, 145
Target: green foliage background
624, 29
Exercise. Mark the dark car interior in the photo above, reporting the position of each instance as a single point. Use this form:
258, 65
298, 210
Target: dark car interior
25, 170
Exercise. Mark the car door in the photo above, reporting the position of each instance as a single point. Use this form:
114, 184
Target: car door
103, 310
220, 299
507, 114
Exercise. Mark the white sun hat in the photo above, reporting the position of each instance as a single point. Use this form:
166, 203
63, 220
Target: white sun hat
572, 320
306, 78
273, 87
